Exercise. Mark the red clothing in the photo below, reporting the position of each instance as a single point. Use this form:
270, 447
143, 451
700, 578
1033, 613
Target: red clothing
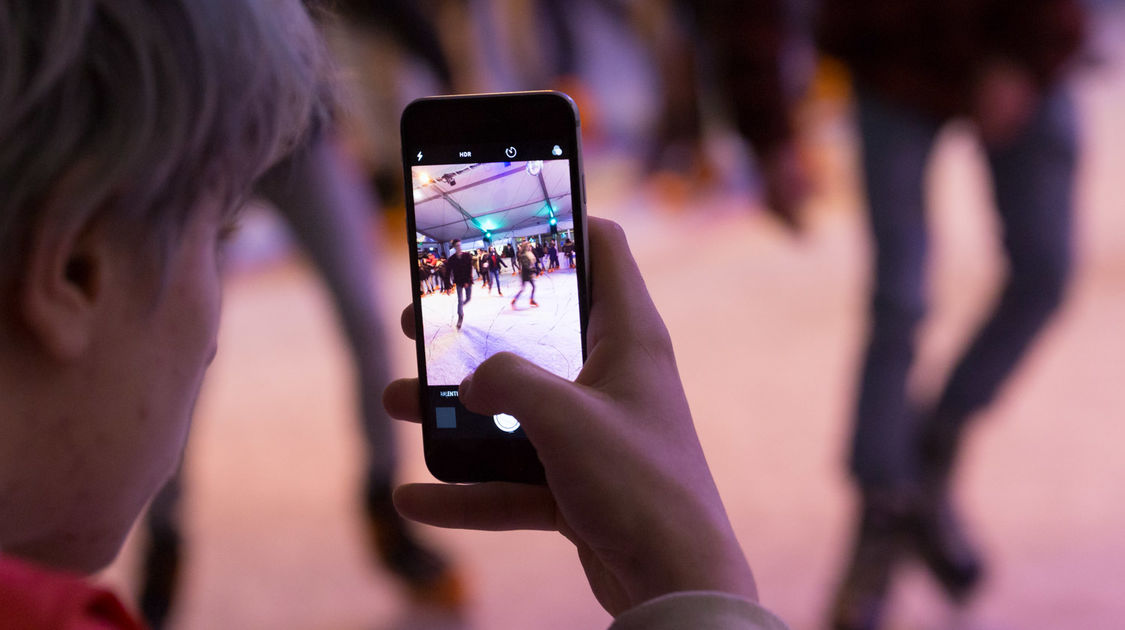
32, 598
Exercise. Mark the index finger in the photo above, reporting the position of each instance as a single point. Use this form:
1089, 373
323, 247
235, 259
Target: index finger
401, 400
406, 320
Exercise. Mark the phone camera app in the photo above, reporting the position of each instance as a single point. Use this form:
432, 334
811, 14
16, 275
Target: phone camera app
497, 262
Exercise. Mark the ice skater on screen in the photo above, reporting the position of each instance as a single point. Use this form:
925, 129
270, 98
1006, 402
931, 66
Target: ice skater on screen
539, 253
495, 263
527, 272
483, 265
461, 271
553, 256
510, 254
478, 265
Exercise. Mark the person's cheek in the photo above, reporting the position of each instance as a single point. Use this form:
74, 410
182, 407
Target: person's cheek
204, 308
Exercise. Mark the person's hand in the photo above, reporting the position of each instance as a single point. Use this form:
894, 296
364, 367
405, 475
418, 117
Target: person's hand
787, 185
627, 481
1004, 102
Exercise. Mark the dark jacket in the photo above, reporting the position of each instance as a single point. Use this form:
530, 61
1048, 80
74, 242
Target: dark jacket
461, 268
928, 54
748, 40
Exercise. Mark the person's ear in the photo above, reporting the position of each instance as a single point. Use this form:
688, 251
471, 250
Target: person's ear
63, 288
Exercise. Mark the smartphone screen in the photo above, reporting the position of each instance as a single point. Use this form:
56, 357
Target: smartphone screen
497, 241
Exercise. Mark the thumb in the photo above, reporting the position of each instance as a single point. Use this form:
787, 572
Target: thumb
508, 383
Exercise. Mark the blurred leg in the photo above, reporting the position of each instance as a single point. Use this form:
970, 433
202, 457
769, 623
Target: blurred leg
896, 146
321, 196
406, 21
678, 136
561, 36
1034, 188
1033, 179
330, 214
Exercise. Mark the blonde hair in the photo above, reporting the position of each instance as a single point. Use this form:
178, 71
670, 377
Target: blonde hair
136, 108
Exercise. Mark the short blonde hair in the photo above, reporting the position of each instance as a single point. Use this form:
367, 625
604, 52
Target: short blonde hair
142, 106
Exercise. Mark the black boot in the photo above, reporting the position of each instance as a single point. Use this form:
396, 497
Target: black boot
880, 543
936, 531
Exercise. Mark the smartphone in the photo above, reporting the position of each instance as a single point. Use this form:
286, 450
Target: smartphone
496, 224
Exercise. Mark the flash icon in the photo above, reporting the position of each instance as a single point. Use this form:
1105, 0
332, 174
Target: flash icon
419, 156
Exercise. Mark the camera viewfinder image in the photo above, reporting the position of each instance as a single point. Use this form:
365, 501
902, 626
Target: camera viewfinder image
497, 265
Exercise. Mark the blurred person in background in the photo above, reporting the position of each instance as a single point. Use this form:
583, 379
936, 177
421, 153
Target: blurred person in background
917, 65
533, 45
392, 50
748, 53
406, 21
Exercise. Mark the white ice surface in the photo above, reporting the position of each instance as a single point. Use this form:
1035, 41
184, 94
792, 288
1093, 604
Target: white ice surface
548, 335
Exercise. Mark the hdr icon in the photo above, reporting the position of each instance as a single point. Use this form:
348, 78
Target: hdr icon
466, 154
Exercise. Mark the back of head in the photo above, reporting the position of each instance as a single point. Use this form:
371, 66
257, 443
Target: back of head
129, 129
135, 109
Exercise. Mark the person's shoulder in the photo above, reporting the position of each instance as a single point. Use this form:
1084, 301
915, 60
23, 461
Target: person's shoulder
32, 598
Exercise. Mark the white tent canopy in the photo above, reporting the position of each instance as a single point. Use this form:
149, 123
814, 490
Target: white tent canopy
465, 200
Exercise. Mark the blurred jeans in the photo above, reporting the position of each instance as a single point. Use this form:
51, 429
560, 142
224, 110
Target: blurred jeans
1033, 181
464, 294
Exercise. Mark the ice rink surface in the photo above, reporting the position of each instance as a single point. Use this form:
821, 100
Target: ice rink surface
548, 335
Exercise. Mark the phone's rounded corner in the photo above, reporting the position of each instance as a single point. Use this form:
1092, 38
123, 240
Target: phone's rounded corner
570, 104
414, 104
409, 110
438, 465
